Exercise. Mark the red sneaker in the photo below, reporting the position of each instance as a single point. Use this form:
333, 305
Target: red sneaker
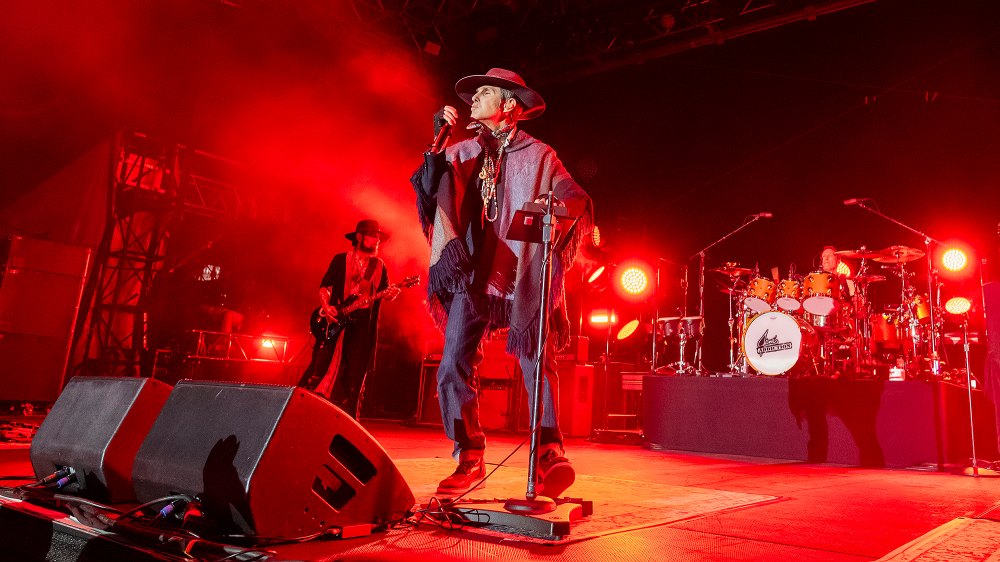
555, 473
465, 476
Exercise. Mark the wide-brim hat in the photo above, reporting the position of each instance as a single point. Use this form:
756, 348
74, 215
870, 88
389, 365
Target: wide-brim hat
533, 103
367, 227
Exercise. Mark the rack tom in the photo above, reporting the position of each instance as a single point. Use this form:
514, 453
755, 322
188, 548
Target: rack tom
789, 295
821, 293
760, 294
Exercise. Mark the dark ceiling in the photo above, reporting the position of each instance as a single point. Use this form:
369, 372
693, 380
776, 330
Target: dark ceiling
681, 117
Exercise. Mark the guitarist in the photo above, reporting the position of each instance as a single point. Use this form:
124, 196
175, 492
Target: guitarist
357, 274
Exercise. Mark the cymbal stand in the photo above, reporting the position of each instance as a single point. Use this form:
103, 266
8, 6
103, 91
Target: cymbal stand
968, 386
701, 277
931, 275
733, 340
862, 320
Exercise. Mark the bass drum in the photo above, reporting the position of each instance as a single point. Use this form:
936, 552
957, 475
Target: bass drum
775, 343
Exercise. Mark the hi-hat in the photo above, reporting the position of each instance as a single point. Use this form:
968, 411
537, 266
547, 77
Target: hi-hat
899, 254
861, 254
732, 270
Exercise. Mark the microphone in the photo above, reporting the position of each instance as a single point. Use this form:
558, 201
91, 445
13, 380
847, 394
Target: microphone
763, 215
855, 201
441, 138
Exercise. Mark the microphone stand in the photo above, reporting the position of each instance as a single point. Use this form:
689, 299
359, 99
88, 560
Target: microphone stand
533, 502
701, 280
931, 274
534, 513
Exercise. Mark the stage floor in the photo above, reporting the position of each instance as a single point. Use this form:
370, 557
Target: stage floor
663, 505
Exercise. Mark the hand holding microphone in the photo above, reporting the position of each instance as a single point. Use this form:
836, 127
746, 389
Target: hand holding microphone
444, 122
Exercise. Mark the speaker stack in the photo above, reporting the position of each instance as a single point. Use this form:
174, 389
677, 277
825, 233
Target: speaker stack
264, 460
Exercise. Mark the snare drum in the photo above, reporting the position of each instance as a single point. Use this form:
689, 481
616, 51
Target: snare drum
789, 294
821, 292
760, 294
775, 343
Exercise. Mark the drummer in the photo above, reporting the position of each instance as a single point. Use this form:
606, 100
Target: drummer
829, 261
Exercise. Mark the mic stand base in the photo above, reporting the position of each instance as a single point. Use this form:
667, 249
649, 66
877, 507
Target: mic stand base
537, 506
541, 516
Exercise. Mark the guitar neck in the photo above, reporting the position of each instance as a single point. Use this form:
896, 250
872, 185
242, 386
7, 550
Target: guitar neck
363, 302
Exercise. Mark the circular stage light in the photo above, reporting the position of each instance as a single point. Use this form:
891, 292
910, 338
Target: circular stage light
954, 259
958, 305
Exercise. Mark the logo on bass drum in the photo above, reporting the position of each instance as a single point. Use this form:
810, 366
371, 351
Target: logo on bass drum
770, 345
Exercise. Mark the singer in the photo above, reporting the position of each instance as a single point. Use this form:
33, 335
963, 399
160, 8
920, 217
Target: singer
479, 281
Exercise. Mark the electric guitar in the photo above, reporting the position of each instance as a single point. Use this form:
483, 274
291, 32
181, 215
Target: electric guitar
325, 328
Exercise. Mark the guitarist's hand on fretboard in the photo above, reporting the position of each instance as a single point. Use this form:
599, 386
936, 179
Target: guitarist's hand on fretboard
392, 292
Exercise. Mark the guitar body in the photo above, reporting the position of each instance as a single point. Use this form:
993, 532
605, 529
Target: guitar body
349, 311
321, 328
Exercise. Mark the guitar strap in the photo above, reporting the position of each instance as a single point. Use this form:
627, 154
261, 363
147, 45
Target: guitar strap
372, 271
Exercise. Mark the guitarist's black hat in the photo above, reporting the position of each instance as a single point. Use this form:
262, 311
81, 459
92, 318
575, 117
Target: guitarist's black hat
369, 227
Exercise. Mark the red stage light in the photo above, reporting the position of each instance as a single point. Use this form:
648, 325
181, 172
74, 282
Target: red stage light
267, 342
602, 317
596, 274
633, 281
954, 259
595, 237
628, 329
958, 305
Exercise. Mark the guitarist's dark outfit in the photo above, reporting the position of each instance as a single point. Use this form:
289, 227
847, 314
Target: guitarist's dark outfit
358, 338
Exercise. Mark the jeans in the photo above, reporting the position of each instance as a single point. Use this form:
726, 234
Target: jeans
458, 384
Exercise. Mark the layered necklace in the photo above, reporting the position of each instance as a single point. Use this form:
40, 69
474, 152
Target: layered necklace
490, 173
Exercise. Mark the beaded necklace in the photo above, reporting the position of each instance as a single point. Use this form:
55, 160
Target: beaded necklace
490, 173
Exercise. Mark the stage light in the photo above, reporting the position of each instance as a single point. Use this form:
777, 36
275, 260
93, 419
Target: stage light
954, 259
595, 237
844, 269
633, 281
628, 329
603, 317
596, 275
958, 305
267, 343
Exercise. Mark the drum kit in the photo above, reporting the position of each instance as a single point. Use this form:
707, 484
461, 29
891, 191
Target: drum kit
820, 323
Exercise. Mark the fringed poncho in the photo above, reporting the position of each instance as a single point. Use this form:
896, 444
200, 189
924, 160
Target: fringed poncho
528, 169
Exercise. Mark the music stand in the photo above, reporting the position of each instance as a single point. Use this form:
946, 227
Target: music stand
534, 223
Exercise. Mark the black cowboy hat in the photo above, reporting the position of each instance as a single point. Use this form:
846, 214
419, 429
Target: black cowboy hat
533, 103
369, 227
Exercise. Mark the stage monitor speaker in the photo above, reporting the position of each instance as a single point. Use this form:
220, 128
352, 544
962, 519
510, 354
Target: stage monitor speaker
271, 461
95, 428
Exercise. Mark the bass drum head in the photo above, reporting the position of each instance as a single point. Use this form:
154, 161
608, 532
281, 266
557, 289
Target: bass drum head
773, 342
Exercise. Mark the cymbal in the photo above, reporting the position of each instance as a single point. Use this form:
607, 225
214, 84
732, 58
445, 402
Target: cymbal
732, 270
859, 254
899, 254
868, 278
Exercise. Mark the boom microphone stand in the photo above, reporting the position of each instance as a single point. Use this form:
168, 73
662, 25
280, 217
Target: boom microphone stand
931, 300
701, 277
